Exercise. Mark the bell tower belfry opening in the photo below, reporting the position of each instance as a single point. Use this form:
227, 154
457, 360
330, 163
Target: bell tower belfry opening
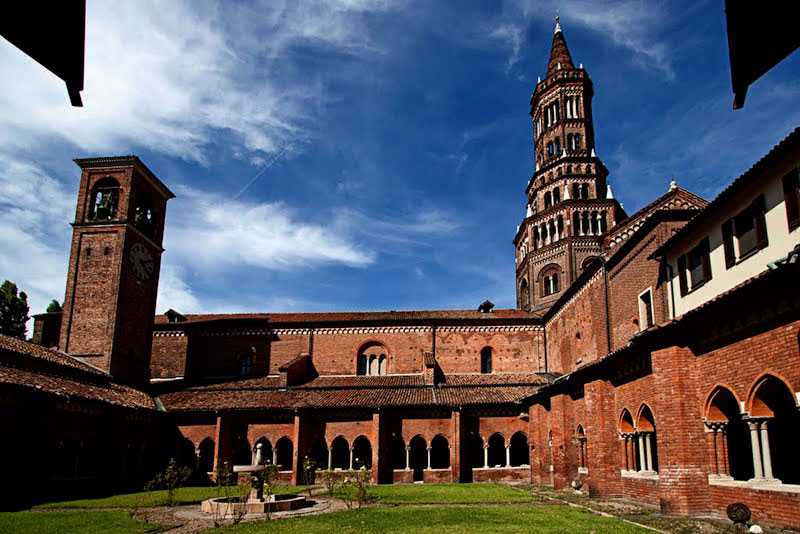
114, 266
570, 206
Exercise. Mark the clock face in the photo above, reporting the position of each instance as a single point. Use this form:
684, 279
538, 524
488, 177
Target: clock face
142, 262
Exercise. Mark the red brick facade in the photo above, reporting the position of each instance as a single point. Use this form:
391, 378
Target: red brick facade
588, 382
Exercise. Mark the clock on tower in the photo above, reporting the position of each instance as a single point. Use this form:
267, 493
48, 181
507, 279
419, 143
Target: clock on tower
114, 265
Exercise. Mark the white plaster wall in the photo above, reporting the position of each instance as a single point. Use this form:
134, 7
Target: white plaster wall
781, 242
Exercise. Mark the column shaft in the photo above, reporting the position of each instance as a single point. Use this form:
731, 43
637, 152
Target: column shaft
767, 458
486, 457
757, 470
642, 459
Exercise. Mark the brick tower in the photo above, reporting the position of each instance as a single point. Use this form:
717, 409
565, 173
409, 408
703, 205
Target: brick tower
114, 266
570, 205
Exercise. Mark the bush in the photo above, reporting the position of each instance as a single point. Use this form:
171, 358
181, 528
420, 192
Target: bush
172, 477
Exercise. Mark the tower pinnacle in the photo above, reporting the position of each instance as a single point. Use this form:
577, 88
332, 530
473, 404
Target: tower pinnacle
558, 25
559, 53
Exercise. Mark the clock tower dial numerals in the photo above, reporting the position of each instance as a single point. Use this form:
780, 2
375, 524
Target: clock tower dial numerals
142, 262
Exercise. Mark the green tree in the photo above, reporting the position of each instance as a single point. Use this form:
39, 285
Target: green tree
54, 306
13, 310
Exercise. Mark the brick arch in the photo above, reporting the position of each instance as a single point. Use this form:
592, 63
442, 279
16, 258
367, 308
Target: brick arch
372, 342
645, 426
712, 410
755, 406
625, 421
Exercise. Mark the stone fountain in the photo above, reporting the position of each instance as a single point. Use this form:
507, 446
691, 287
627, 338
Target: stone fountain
255, 503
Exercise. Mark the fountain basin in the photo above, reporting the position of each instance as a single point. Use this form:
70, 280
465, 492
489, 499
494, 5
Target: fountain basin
229, 506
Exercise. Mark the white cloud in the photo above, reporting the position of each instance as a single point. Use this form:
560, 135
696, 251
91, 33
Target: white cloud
214, 232
513, 35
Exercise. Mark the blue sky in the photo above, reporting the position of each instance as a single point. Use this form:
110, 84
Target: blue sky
361, 154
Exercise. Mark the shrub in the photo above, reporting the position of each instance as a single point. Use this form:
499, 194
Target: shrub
172, 477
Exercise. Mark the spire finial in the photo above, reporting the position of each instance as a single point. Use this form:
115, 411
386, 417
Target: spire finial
558, 24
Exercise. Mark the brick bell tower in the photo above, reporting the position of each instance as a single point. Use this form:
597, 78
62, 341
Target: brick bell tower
114, 266
569, 203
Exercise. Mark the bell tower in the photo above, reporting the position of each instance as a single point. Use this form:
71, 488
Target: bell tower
569, 203
114, 265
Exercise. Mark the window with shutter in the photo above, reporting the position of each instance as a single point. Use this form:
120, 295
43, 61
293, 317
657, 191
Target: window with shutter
759, 211
727, 242
682, 275
791, 195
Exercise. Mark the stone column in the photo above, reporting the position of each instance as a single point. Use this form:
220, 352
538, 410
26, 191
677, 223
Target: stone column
648, 453
408, 453
765, 454
625, 454
330, 458
758, 472
428, 450
725, 462
508, 455
485, 456
274, 456
642, 459
351, 458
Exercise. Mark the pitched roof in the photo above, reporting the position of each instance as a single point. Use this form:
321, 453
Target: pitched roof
355, 316
746, 179
559, 53
356, 392
30, 367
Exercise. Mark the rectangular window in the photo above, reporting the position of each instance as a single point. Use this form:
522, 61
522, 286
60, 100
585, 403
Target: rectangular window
791, 195
646, 319
746, 233
694, 268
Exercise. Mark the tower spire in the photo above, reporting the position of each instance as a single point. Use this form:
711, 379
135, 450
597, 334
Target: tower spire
559, 53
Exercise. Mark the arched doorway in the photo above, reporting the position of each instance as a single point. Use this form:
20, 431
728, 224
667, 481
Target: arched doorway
340, 453
362, 453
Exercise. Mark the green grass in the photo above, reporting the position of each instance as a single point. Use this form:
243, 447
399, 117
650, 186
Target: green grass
147, 499
448, 494
73, 522
436, 520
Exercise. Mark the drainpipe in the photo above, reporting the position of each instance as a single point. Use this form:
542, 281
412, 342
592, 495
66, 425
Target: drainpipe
608, 310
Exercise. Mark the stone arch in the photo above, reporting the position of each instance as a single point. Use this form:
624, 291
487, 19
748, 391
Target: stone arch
764, 392
262, 456
497, 450
549, 279
104, 199
418, 456
440, 452
284, 454
397, 452
626, 421
205, 456
645, 421
372, 358
340, 453
362, 453
525, 294
729, 447
519, 450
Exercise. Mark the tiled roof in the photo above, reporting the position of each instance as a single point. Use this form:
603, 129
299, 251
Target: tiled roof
72, 388
355, 316
37, 369
356, 392
752, 174
18, 346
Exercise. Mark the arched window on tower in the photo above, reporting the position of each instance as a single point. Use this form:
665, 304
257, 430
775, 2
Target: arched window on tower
524, 294
556, 195
576, 191
104, 200
584, 191
548, 200
144, 214
569, 141
486, 360
595, 223
557, 146
550, 149
549, 280
576, 142
576, 224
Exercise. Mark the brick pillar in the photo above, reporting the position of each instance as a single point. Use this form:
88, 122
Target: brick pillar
297, 454
681, 443
603, 440
377, 447
562, 447
455, 446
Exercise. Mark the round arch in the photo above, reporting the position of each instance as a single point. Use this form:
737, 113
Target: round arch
372, 358
765, 392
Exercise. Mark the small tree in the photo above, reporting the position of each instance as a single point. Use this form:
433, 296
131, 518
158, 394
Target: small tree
309, 472
13, 310
330, 480
270, 475
54, 306
171, 478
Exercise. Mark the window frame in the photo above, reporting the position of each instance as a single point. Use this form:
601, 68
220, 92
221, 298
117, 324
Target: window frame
791, 198
687, 282
733, 234
647, 315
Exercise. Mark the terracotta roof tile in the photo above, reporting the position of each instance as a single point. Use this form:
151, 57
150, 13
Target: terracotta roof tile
33, 350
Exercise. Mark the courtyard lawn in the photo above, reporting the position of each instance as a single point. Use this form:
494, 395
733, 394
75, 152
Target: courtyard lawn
449, 494
148, 499
436, 520
74, 522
